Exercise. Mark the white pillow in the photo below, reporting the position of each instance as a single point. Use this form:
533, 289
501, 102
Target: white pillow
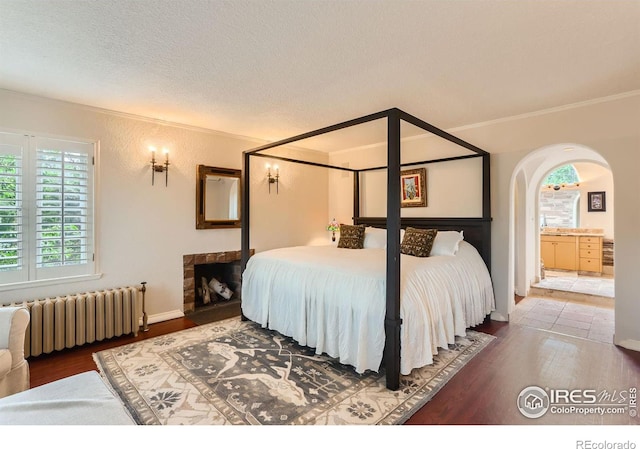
446, 243
375, 237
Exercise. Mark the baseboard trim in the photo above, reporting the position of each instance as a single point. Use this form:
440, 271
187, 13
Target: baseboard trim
165, 316
634, 345
497, 316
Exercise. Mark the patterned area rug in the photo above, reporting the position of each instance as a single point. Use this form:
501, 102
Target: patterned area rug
235, 372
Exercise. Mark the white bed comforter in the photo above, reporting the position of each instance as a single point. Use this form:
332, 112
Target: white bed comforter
333, 299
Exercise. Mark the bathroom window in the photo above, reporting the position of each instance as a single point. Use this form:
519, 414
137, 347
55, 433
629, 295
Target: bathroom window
560, 198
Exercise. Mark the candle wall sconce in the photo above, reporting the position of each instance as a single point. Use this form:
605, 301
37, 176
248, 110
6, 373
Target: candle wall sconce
160, 168
273, 179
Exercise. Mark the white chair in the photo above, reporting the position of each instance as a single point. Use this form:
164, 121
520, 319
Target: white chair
14, 369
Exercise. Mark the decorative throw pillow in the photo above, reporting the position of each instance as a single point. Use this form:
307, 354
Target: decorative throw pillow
351, 236
418, 242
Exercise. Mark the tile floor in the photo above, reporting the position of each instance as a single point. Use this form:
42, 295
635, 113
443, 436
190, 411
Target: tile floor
570, 304
579, 319
572, 282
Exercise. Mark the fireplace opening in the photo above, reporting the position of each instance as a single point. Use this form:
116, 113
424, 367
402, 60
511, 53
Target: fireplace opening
217, 283
212, 285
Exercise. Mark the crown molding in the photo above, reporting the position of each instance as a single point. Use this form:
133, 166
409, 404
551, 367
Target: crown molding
553, 110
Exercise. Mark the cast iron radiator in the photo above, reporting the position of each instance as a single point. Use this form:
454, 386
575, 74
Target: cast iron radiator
73, 320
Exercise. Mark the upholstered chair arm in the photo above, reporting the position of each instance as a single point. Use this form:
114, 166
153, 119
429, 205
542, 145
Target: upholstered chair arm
13, 325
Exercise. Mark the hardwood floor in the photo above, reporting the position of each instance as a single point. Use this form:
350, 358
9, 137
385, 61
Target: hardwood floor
485, 391
49, 367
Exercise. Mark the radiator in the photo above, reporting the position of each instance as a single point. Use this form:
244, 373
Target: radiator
73, 320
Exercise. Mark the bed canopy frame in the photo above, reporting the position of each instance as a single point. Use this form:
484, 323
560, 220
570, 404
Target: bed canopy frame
477, 231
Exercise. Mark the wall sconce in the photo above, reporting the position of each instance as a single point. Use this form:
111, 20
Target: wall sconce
160, 168
333, 226
273, 179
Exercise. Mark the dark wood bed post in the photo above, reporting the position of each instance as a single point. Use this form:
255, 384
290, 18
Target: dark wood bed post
244, 217
486, 186
486, 208
392, 322
356, 195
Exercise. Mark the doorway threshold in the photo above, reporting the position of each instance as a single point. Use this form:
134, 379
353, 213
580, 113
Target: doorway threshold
596, 300
599, 290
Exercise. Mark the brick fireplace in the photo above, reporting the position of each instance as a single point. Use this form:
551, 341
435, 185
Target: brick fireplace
223, 265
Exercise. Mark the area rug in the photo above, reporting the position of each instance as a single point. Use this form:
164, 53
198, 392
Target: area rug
235, 372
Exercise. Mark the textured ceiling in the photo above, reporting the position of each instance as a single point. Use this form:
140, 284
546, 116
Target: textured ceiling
274, 68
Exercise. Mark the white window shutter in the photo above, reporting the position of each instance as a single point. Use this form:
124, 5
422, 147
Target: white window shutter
13, 263
63, 220
46, 208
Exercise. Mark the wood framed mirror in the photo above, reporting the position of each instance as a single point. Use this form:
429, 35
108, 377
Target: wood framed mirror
218, 195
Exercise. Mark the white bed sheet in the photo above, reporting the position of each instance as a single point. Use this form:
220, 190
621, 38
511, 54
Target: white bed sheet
333, 299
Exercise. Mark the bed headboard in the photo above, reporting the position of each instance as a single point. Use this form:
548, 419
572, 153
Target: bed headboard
477, 231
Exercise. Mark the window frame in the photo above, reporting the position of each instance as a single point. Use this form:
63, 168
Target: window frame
30, 275
575, 178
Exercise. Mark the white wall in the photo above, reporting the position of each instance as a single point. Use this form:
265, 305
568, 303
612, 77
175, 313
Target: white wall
298, 214
601, 180
611, 129
143, 230
454, 188
340, 198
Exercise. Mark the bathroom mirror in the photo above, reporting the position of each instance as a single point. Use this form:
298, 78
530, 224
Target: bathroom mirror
217, 197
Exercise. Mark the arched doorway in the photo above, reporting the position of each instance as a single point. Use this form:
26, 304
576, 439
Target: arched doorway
525, 220
583, 267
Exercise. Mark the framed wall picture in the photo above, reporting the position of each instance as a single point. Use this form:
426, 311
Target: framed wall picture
597, 202
413, 188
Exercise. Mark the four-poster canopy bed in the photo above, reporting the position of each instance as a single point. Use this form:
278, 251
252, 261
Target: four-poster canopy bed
476, 231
